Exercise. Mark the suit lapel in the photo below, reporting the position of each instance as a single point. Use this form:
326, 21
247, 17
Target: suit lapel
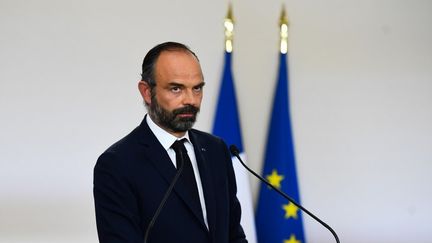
206, 180
163, 164
156, 153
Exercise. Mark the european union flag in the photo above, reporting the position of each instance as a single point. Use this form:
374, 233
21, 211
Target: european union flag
279, 221
227, 126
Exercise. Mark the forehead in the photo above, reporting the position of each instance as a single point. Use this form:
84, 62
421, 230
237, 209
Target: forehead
177, 65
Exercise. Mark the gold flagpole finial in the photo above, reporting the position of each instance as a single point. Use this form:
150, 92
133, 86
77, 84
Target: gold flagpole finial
283, 24
229, 30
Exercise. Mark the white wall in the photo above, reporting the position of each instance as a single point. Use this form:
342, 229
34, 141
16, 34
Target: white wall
361, 93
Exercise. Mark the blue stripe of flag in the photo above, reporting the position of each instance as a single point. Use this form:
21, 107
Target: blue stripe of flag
227, 122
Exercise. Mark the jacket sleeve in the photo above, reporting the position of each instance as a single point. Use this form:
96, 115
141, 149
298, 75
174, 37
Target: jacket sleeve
115, 204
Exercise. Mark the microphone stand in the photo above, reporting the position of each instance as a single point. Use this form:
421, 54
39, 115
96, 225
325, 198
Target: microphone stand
164, 199
234, 150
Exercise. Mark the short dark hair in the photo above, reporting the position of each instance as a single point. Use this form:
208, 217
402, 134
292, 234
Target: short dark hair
148, 66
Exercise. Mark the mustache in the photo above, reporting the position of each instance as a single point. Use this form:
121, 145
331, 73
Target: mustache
187, 109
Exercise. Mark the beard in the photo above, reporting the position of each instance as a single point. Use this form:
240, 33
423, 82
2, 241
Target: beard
170, 119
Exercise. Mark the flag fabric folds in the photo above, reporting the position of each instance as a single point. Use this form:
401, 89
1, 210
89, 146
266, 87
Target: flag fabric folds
227, 126
278, 220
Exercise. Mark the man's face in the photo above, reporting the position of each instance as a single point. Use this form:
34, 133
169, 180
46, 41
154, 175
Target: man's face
176, 98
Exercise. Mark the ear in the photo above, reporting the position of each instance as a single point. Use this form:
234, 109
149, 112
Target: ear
145, 91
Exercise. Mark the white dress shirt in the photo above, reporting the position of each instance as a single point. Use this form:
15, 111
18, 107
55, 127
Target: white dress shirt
166, 140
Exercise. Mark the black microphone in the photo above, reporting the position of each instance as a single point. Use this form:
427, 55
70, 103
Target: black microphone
164, 199
235, 151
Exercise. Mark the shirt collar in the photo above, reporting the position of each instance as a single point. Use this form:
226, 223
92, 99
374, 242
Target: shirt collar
165, 138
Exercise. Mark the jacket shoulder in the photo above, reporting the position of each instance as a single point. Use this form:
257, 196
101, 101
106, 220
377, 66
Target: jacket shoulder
125, 142
206, 137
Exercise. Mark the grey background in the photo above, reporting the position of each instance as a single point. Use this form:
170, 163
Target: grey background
361, 96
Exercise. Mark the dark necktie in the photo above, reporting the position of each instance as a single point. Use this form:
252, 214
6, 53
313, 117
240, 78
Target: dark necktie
187, 177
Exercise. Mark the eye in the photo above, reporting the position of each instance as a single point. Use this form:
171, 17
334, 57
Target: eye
198, 88
175, 89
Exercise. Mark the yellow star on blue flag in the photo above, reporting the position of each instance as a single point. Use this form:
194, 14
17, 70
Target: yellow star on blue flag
290, 210
292, 239
275, 179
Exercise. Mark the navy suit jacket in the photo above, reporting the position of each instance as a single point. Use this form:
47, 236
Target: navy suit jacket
131, 177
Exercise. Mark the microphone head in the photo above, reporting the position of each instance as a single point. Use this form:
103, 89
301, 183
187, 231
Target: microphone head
234, 150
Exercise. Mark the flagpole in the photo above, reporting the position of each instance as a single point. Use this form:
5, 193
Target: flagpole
283, 24
229, 30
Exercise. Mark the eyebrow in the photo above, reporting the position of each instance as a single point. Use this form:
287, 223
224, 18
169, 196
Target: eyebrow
182, 85
200, 84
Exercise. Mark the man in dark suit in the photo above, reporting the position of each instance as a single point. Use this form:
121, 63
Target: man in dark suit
132, 176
